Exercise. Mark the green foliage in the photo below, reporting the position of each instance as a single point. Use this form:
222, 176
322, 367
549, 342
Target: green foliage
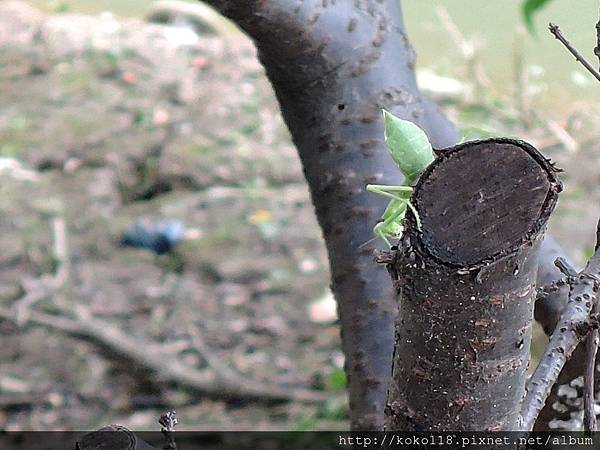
529, 9
58, 6
334, 410
337, 380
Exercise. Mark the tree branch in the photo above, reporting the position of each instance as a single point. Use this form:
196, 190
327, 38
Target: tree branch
589, 413
589, 410
549, 307
555, 30
334, 66
467, 284
597, 48
165, 365
571, 329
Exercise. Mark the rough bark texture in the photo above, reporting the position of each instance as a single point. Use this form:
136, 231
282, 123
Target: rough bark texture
467, 286
113, 437
334, 65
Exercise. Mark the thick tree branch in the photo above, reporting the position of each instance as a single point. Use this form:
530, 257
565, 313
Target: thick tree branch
334, 66
466, 288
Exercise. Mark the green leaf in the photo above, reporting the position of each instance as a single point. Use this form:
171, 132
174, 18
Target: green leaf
530, 8
409, 146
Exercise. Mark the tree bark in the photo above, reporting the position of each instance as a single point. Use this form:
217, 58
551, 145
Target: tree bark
467, 284
334, 65
114, 437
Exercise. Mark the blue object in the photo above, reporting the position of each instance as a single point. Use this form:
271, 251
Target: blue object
159, 237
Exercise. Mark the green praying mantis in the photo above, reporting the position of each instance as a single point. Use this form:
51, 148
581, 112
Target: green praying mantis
412, 152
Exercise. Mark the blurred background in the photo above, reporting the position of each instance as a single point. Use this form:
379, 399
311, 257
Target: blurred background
158, 245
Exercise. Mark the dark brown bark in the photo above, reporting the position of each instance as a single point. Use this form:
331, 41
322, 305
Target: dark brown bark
334, 65
113, 437
467, 286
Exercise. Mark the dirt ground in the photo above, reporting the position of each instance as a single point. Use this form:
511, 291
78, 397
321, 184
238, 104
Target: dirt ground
105, 121
115, 121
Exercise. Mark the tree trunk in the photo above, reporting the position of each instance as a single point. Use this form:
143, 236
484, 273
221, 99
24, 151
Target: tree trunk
334, 65
467, 283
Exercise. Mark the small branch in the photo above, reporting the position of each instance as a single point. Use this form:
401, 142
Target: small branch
167, 422
565, 267
571, 329
78, 321
589, 413
166, 366
555, 30
597, 48
41, 288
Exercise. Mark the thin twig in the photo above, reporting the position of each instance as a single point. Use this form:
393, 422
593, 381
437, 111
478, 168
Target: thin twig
571, 329
47, 285
565, 267
167, 422
555, 30
470, 50
167, 366
597, 48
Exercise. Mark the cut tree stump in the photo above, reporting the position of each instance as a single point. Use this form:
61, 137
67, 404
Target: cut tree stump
466, 287
113, 437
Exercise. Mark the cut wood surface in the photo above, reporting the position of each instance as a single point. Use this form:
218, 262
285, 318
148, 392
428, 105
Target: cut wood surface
466, 285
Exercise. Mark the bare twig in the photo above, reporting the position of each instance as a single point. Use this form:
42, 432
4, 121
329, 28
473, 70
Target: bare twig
597, 48
45, 286
77, 320
213, 360
571, 329
562, 135
589, 411
555, 30
565, 267
167, 422
470, 50
166, 366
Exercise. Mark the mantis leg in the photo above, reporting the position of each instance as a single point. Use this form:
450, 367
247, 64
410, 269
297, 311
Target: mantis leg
405, 193
390, 191
390, 223
395, 210
414, 211
392, 213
